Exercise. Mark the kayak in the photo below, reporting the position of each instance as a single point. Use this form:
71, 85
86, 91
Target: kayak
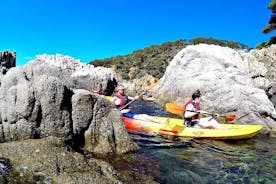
175, 127
147, 99
108, 97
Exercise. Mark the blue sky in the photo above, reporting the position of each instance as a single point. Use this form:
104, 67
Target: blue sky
96, 29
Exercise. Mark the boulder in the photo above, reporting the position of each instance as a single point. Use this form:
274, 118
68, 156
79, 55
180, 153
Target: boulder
271, 93
49, 160
227, 80
49, 97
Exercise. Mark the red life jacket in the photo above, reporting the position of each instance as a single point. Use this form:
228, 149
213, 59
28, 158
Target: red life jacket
196, 106
124, 100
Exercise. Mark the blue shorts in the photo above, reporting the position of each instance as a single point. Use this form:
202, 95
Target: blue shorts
130, 114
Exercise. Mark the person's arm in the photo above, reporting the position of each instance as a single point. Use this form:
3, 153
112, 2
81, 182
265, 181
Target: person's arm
132, 98
113, 100
188, 113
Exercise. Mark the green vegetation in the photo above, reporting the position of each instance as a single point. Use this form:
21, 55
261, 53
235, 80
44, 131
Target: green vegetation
270, 27
154, 60
272, 4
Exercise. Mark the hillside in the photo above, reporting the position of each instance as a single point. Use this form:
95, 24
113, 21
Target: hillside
153, 60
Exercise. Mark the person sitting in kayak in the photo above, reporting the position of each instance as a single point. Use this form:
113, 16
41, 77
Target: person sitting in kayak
99, 90
121, 102
192, 112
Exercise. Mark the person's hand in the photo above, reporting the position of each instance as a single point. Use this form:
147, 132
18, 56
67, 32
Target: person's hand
136, 97
202, 112
216, 115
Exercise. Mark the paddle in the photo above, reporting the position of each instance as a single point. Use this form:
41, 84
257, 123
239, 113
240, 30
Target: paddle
177, 109
149, 88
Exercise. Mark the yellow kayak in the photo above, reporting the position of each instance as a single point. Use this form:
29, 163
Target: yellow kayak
175, 127
108, 97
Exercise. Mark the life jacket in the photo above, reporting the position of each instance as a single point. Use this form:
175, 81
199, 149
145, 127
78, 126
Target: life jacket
197, 108
123, 100
100, 91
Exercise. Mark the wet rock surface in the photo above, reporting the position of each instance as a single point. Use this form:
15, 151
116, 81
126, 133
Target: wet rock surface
51, 160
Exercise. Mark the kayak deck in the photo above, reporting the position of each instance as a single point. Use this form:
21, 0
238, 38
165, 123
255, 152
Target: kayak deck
175, 127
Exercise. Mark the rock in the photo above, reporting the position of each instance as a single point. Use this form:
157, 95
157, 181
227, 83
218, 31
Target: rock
55, 162
226, 80
41, 99
55, 102
271, 93
83, 76
5, 169
7, 61
268, 57
110, 136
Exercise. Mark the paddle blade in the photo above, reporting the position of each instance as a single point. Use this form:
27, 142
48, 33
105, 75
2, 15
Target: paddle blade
174, 108
230, 117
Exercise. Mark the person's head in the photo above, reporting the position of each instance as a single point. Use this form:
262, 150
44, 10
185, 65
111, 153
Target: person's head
196, 96
100, 85
121, 89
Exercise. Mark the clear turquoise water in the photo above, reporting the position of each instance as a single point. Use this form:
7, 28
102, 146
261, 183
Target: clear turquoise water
208, 161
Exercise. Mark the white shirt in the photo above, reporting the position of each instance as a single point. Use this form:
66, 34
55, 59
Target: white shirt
188, 114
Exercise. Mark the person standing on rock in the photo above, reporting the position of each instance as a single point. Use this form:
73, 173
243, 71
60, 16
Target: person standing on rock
192, 112
122, 102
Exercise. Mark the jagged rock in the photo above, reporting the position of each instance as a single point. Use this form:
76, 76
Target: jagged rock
49, 160
226, 79
83, 76
54, 101
98, 125
271, 93
7, 61
268, 57
41, 100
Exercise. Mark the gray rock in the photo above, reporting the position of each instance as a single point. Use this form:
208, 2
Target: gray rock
271, 93
268, 57
82, 113
49, 159
54, 99
41, 100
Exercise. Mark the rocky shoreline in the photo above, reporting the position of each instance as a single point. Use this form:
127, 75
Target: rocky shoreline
49, 117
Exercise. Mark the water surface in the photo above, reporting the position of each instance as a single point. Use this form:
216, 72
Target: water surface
208, 161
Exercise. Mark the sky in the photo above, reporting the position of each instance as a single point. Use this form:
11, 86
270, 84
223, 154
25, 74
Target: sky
98, 29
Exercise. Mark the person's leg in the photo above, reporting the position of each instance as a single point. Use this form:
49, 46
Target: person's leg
209, 122
146, 117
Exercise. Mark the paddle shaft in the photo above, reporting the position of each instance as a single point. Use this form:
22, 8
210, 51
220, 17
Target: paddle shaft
177, 109
131, 101
152, 86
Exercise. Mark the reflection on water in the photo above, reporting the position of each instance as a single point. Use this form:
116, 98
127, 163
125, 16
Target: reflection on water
209, 161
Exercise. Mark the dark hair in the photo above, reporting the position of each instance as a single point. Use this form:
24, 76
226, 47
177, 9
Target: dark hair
196, 94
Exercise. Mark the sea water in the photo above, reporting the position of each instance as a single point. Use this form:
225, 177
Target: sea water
207, 161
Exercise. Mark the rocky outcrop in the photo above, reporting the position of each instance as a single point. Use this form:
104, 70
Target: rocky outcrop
49, 160
268, 57
7, 60
230, 81
42, 99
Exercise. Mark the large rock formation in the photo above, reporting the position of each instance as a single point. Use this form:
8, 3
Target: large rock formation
49, 160
268, 57
44, 98
7, 61
230, 81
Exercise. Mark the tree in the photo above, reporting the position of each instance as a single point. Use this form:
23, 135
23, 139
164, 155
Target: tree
271, 25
